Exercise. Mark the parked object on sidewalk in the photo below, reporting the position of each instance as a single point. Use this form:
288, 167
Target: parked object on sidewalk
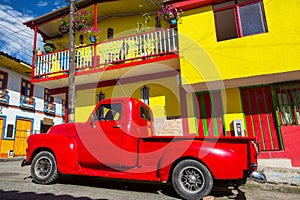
118, 141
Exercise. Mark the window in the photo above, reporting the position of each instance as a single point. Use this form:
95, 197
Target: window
145, 113
47, 98
63, 107
145, 94
3, 80
239, 18
288, 102
26, 88
110, 33
10, 129
100, 96
109, 112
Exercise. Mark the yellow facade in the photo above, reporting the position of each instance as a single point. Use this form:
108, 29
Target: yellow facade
164, 97
266, 53
207, 64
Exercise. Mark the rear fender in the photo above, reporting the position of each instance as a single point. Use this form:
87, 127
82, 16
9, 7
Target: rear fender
223, 162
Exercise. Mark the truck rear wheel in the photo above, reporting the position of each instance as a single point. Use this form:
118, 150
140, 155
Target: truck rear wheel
44, 168
192, 180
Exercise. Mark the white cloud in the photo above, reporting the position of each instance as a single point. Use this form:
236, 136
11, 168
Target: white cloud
42, 3
16, 39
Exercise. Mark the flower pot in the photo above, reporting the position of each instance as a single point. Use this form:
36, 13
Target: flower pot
79, 27
39, 52
49, 47
92, 39
173, 21
63, 29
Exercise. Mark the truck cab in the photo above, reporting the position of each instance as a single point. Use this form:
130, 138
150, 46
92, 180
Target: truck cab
114, 128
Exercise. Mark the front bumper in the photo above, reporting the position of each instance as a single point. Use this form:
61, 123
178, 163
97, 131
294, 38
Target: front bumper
259, 177
24, 163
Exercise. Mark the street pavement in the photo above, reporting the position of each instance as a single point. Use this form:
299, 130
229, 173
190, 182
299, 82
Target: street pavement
15, 183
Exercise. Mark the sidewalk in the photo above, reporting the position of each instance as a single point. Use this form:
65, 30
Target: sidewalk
19, 158
272, 186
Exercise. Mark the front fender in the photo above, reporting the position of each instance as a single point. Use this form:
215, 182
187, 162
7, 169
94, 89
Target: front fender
64, 149
220, 159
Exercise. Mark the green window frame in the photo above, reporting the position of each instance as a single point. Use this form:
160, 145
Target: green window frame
287, 97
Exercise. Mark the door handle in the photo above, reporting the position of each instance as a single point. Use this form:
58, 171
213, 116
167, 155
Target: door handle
117, 126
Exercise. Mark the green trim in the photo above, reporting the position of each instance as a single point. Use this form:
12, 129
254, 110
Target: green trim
275, 103
243, 110
203, 109
259, 117
214, 114
289, 103
297, 104
251, 113
194, 97
268, 119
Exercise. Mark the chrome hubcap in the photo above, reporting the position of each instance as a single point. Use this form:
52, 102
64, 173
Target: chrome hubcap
191, 179
43, 167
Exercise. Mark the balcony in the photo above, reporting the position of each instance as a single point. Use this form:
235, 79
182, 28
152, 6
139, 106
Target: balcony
144, 51
27, 102
4, 98
50, 108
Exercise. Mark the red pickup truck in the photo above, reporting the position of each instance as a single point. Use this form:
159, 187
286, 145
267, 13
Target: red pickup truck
118, 141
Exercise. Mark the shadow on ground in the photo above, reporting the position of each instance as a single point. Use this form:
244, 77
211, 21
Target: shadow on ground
115, 184
31, 195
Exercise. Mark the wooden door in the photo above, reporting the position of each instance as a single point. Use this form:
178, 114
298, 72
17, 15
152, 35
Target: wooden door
1, 130
23, 130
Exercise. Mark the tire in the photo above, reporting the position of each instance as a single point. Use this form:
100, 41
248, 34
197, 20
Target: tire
192, 180
44, 169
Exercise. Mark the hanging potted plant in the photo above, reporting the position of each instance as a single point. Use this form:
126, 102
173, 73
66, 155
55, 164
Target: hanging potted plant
49, 47
92, 33
64, 26
81, 20
170, 14
167, 12
79, 23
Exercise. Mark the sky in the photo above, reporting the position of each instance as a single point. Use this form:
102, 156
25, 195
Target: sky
16, 39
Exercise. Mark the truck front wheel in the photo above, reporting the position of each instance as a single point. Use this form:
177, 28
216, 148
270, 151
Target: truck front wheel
192, 180
44, 168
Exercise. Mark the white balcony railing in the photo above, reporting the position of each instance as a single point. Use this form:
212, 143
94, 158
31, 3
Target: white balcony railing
101, 55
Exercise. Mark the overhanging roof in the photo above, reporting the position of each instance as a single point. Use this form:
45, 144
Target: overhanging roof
14, 64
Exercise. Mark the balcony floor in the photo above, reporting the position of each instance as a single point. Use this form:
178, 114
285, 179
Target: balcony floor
114, 72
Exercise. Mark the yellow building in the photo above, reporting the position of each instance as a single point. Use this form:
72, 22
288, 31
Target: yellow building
226, 68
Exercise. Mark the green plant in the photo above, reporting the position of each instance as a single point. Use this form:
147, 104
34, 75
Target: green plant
167, 11
49, 47
64, 26
142, 26
91, 31
80, 20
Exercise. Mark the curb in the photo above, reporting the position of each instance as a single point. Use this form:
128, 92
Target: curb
19, 158
272, 186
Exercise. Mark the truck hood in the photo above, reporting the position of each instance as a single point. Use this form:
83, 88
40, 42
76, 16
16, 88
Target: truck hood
69, 130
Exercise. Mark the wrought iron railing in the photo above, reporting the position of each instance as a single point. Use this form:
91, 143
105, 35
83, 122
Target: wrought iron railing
111, 52
4, 98
27, 102
50, 108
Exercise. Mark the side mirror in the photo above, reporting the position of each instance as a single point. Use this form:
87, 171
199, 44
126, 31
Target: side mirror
93, 119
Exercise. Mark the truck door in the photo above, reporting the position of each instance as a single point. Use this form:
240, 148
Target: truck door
101, 140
